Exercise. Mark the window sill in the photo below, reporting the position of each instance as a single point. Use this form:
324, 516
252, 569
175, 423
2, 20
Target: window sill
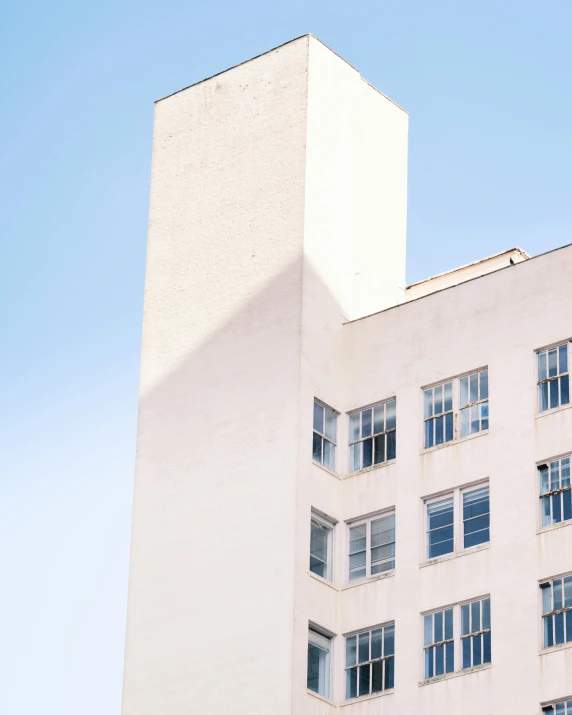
321, 697
553, 527
373, 467
373, 696
326, 469
455, 555
456, 674
553, 411
323, 580
371, 579
459, 440
556, 648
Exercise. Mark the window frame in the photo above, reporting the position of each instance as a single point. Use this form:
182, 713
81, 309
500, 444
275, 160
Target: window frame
561, 492
539, 382
367, 520
456, 408
328, 523
323, 436
457, 640
565, 610
456, 494
383, 658
567, 702
322, 633
385, 433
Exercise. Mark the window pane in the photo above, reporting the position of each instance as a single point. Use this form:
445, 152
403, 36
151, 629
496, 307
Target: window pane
391, 437
556, 510
429, 434
428, 630
475, 503
546, 598
449, 427
363, 647
475, 419
557, 594
357, 573
317, 447
484, 386
438, 430
568, 615
543, 472
357, 561
567, 507
568, 593
464, 386
351, 644
548, 710
429, 670
484, 415
475, 616
379, 449
481, 536
378, 420
329, 455
367, 453
440, 513
351, 683
474, 387
364, 680
355, 457
486, 604
564, 390
354, 427
390, 673
366, 416
357, 538
319, 538
439, 660
441, 542
543, 396
465, 619
448, 623
318, 663
465, 421
438, 623
487, 647
428, 403
548, 633
376, 643
559, 628
449, 657
477, 650
553, 388
377, 676
466, 647
438, 399
448, 396
389, 641
318, 418
552, 363
563, 359
554, 475
330, 425
542, 374
545, 509
565, 474
390, 415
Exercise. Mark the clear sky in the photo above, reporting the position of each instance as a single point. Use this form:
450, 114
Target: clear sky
488, 87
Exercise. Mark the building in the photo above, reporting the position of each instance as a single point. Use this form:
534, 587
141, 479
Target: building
351, 494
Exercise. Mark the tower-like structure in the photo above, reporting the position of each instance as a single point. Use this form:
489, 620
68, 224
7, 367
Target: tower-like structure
339, 483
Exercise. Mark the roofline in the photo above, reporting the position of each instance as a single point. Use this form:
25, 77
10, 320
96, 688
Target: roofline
458, 285
251, 59
469, 265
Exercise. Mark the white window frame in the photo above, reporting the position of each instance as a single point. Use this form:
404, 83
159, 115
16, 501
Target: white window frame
361, 440
361, 521
458, 521
561, 491
323, 435
457, 639
565, 609
322, 633
566, 710
328, 523
383, 658
539, 382
455, 408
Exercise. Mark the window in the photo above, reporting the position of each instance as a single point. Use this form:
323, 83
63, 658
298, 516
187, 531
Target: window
324, 441
319, 649
372, 436
370, 661
372, 547
467, 395
564, 707
444, 638
476, 633
444, 529
557, 611
555, 491
321, 532
553, 379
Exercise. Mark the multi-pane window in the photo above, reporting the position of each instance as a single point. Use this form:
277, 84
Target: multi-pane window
372, 436
555, 491
564, 707
370, 661
474, 402
324, 439
553, 378
557, 611
321, 533
446, 532
372, 547
476, 633
438, 642
457, 638
456, 408
319, 650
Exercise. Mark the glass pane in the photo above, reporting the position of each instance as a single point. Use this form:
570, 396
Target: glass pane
439, 660
330, 425
475, 419
563, 359
542, 374
554, 475
464, 385
318, 418
449, 657
390, 415
357, 560
567, 507
378, 420
448, 396
376, 643
428, 403
475, 503
477, 650
553, 389
354, 427
465, 421
474, 387
318, 678
444, 545
546, 598
389, 673
364, 680
355, 456
379, 449
363, 647
466, 647
391, 438
357, 538
465, 619
317, 448
313, 680
548, 633
329, 455
560, 709
556, 510
429, 434
440, 513
448, 623
545, 510
438, 430
367, 453
559, 628
486, 606
552, 363
438, 399
389, 641
568, 593
487, 647
351, 683
429, 670
543, 472
377, 676
564, 390
448, 427
484, 385
366, 417
557, 594
568, 616
475, 616
358, 573
438, 621
484, 415
351, 643
543, 396
428, 630
565, 475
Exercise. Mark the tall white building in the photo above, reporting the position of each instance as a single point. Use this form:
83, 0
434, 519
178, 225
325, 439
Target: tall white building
351, 494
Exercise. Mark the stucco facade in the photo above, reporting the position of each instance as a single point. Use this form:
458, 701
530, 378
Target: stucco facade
275, 277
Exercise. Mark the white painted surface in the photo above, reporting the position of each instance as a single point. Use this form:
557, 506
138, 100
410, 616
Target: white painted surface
278, 205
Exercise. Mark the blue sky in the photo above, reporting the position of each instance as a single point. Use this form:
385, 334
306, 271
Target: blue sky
489, 90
